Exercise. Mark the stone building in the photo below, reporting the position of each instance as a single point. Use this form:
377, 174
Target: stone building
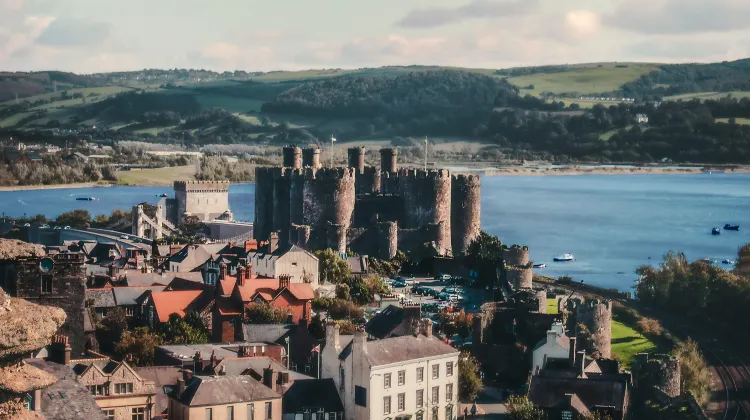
371, 210
54, 280
206, 200
223, 397
596, 316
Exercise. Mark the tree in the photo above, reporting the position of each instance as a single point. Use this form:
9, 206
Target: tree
520, 408
469, 382
333, 269
342, 292
263, 313
138, 346
177, 331
464, 324
112, 327
696, 378
78, 219
359, 291
317, 328
485, 254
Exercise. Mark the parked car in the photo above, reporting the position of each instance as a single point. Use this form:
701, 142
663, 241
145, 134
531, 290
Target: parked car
443, 297
422, 290
444, 277
124, 237
67, 228
399, 283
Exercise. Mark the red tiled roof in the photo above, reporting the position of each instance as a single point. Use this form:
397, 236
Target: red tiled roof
226, 286
268, 289
302, 291
167, 303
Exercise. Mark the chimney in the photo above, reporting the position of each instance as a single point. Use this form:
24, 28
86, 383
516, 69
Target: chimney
569, 400
273, 242
249, 268
580, 364
241, 275
551, 337
269, 377
213, 358
60, 350
284, 281
243, 351
223, 371
198, 359
332, 337
284, 378
572, 351
359, 345
187, 375
180, 387
222, 271
425, 327
251, 245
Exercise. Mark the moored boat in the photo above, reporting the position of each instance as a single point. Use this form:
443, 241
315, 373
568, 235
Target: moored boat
85, 198
731, 227
728, 261
564, 257
715, 231
540, 265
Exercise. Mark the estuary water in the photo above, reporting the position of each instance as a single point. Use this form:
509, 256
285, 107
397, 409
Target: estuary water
611, 223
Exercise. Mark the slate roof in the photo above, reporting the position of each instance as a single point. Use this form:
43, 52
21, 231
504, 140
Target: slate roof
236, 366
266, 333
125, 296
269, 289
102, 298
192, 256
164, 379
358, 264
549, 392
390, 319
401, 349
217, 390
313, 393
562, 340
187, 351
67, 399
136, 278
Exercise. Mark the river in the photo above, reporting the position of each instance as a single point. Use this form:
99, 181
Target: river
611, 223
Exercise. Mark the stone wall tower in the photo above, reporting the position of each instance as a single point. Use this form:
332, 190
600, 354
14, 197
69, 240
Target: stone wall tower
387, 240
426, 196
389, 160
356, 158
292, 157
336, 237
596, 315
282, 190
516, 255
311, 157
465, 211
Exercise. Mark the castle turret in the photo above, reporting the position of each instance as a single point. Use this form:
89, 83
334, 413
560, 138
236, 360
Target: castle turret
516, 255
389, 160
387, 240
329, 196
263, 203
596, 315
311, 157
292, 156
282, 189
356, 158
519, 277
465, 211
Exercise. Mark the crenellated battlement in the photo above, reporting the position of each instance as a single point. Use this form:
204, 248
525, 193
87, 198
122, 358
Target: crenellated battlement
411, 173
516, 255
201, 185
467, 180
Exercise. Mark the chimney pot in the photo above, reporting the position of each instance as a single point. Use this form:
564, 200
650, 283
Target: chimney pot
241, 275
222, 271
180, 387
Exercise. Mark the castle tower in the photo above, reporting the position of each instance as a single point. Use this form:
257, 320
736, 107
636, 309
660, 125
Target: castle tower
465, 211
329, 196
670, 377
519, 277
516, 255
388, 160
297, 196
282, 196
311, 157
427, 199
263, 224
292, 156
387, 240
596, 315
336, 237
440, 234
206, 200
356, 158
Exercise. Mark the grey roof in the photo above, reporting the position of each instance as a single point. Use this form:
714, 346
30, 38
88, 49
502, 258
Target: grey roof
67, 399
358, 264
164, 379
218, 390
401, 349
265, 333
393, 320
125, 296
192, 256
549, 392
187, 351
136, 278
313, 394
237, 366
102, 298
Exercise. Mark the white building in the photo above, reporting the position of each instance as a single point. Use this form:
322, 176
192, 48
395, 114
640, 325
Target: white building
557, 346
296, 262
410, 377
641, 118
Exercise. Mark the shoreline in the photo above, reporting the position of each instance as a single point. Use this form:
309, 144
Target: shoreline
582, 170
53, 186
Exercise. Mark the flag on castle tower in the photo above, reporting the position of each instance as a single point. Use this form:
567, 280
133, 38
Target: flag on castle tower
333, 139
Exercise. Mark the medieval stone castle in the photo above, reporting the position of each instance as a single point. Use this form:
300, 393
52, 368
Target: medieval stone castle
370, 210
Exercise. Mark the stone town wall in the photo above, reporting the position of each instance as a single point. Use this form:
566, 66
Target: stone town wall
68, 281
465, 211
206, 200
369, 209
387, 240
596, 315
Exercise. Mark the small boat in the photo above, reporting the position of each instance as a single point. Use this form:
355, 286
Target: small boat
715, 231
728, 261
85, 198
540, 265
163, 195
565, 257
731, 227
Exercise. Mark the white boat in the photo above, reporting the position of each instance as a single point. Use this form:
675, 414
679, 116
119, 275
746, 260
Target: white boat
540, 265
565, 257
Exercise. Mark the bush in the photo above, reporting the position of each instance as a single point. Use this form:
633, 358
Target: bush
648, 326
696, 378
343, 309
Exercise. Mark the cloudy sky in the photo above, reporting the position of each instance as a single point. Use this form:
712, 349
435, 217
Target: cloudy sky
89, 36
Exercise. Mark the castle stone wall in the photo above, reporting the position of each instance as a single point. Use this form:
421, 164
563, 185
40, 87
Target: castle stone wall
356, 158
337, 237
426, 196
465, 211
329, 196
281, 204
206, 200
368, 181
387, 240
519, 277
596, 315
372, 208
264, 180
516, 255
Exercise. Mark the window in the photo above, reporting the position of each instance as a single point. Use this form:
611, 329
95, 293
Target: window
401, 377
420, 416
434, 413
124, 388
449, 392
209, 414
449, 369
99, 390
387, 380
386, 405
138, 413
435, 395
449, 412
251, 412
360, 396
129, 311
341, 377
420, 398
109, 414
435, 371
269, 411
420, 374
401, 401
46, 283
230, 413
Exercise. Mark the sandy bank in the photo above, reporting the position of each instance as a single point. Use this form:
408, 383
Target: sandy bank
52, 187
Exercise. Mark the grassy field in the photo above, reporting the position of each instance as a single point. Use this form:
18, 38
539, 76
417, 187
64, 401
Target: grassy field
742, 121
584, 79
627, 342
230, 103
159, 176
552, 306
101, 91
707, 95
608, 134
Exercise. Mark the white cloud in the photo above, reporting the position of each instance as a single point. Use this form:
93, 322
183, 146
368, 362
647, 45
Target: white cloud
680, 16
582, 23
476, 9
